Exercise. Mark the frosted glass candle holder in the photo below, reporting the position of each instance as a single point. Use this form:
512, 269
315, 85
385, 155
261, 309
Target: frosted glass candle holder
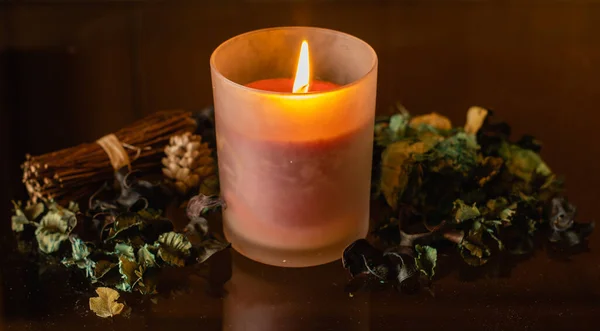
294, 168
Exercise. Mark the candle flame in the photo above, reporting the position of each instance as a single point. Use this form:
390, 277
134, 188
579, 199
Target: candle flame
302, 80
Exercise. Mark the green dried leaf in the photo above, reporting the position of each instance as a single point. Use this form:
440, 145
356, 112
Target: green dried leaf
523, 163
147, 280
398, 125
125, 250
127, 269
150, 214
136, 240
426, 260
79, 257
501, 210
210, 186
393, 128
54, 229
73, 207
26, 216
507, 214
495, 206
472, 248
457, 152
19, 220
79, 250
102, 268
492, 233
431, 122
463, 212
105, 304
210, 247
145, 257
124, 222
396, 166
173, 248
487, 169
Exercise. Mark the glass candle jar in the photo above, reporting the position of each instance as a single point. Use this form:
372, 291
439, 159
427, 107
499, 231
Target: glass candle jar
294, 168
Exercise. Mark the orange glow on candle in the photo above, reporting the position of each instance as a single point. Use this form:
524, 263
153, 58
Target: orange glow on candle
302, 79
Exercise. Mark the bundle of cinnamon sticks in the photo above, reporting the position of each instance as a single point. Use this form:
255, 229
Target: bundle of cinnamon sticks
76, 172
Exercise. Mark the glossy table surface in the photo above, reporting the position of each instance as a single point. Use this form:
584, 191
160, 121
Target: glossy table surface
536, 63
230, 292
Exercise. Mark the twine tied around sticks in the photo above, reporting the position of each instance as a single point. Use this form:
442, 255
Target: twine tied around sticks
115, 149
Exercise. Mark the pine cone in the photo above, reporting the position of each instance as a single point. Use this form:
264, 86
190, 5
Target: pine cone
188, 162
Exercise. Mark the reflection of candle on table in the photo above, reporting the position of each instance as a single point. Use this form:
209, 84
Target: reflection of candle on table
266, 298
294, 161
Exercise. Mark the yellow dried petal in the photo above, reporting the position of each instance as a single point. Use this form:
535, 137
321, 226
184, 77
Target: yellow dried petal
105, 304
436, 120
475, 118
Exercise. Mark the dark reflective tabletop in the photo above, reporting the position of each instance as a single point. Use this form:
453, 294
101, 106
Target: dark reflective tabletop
230, 292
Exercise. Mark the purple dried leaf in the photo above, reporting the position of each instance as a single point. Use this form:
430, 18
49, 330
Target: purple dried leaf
200, 204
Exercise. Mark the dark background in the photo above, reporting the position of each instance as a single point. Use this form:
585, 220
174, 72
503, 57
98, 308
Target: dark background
72, 71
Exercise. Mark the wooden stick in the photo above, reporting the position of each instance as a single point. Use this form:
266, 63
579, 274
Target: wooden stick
75, 172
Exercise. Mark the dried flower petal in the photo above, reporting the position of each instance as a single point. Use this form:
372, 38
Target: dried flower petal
201, 204
54, 229
475, 119
173, 248
426, 260
435, 120
105, 304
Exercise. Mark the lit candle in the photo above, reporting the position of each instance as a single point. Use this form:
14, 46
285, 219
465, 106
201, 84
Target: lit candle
300, 84
294, 153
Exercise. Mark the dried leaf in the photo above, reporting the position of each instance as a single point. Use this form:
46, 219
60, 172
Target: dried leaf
73, 207
124, 222
198, 226
563, 225
463, 212
523, 163
150, 214
145, 257
472, 248
393, 128
360, 258
433, 120
475, 118
53, 229
396, 166
102, 268
147, 280
209, 247
457, 152
488, 168
210, 186
19, 220
79, 257
173, 248
125, 250
105, 304
127, 269
426, 260
201, 204
25, 216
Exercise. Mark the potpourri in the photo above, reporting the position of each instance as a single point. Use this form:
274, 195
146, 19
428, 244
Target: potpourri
469, 186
